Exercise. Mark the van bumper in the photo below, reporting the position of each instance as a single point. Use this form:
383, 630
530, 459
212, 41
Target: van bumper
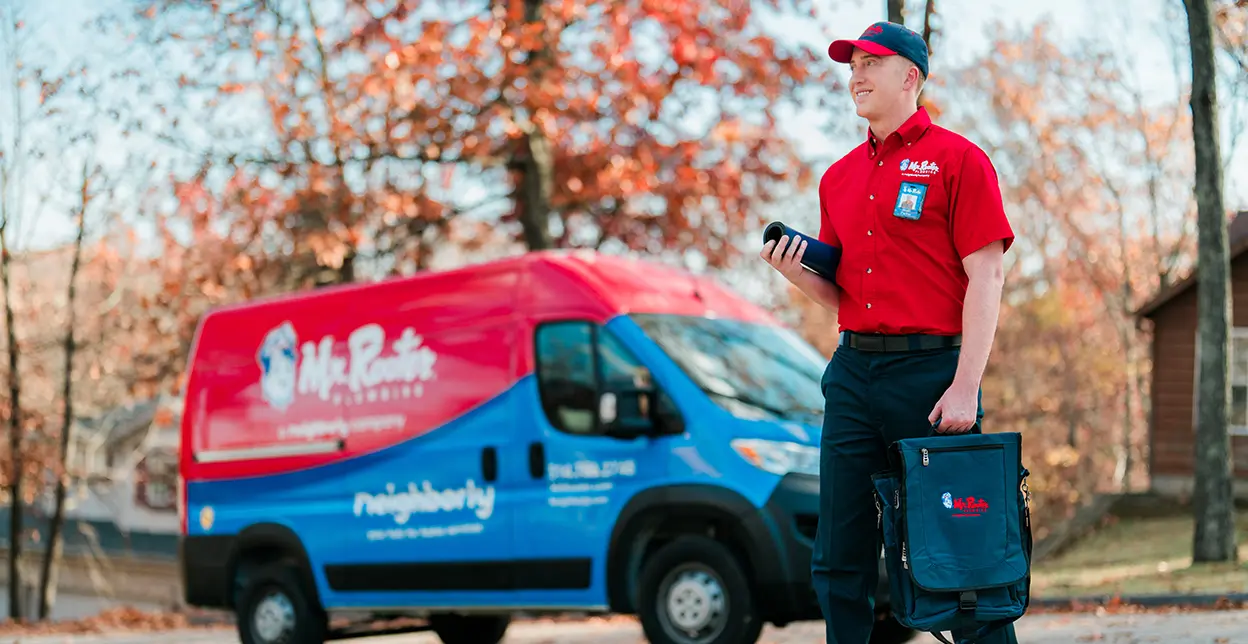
794, 510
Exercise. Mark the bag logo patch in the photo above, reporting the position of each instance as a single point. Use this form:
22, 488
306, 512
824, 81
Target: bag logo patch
966, 507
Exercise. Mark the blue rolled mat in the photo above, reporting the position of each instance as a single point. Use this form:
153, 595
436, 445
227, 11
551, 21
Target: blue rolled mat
820, 258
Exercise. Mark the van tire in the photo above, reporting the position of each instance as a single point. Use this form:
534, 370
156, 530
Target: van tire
276, 591
699, 570
470, 629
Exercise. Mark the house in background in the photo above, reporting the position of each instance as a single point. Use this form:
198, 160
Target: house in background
1175, 353
124, 499
128, 462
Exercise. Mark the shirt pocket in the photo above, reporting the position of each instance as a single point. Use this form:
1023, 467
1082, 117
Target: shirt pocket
918, 207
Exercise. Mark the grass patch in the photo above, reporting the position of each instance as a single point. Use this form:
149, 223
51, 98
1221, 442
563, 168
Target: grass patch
1141, 556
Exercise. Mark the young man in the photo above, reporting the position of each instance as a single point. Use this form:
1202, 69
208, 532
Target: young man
917, 212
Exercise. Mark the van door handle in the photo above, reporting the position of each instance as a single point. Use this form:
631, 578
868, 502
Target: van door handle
537, 460
489, 464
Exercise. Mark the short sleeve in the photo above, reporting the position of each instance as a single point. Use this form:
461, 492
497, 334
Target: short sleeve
976, 211
827, 234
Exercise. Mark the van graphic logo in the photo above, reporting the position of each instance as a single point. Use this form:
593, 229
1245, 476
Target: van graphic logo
278, 364
947, 500
368, 371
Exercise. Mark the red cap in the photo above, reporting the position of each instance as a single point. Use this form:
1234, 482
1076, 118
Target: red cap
884, 39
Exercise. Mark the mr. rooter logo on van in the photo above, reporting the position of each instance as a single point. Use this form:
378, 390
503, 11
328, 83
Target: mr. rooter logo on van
366, 374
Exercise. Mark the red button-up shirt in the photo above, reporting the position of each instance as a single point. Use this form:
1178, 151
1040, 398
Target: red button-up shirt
905, 212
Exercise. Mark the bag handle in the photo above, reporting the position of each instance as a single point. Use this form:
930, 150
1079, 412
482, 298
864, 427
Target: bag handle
931, 430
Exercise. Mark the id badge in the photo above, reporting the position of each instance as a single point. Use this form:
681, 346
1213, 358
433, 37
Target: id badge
910, 200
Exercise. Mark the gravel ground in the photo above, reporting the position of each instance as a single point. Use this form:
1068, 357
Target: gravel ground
1217, 627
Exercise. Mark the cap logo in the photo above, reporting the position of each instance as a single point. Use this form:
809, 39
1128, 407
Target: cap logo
872, 31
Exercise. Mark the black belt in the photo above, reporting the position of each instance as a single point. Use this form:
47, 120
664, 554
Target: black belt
910, 342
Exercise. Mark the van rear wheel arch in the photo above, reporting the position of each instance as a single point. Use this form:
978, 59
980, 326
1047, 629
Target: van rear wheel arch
263, 544
657, 516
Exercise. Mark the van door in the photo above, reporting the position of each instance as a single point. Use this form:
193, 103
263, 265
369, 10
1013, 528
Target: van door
580, 477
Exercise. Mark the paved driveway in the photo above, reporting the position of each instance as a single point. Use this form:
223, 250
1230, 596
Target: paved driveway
1230, 627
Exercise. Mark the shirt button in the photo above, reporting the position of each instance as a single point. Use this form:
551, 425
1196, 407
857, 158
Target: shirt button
868, 305
880, 163
868, 233
871, 197
868, 270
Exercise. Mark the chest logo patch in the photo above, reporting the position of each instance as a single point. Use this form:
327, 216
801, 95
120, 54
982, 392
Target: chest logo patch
918, 168
910, 200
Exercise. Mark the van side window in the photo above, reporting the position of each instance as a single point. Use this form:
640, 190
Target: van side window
566, 376
576, 363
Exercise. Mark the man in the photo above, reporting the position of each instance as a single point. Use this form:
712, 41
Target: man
917, 213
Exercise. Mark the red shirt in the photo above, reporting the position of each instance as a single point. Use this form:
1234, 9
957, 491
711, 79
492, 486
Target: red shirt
905, 212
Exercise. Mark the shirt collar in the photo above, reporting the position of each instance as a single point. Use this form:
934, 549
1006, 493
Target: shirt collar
909, 132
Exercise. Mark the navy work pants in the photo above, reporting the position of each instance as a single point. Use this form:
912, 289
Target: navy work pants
872, 399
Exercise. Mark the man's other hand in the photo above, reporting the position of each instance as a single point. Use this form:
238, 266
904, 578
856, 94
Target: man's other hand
785, 257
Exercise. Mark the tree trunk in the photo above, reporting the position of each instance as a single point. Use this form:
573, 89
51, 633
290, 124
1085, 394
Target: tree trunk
535, 164
52, 554
897, 11
16, 444
928, 11
1212, 503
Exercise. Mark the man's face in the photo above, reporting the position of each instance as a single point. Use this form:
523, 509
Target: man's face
877, 83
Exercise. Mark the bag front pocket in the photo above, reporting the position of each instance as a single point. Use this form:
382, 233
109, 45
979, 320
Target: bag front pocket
958, 500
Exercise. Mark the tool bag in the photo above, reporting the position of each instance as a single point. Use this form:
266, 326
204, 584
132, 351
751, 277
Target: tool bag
954, 517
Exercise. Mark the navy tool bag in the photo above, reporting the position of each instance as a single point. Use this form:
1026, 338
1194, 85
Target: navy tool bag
954, 516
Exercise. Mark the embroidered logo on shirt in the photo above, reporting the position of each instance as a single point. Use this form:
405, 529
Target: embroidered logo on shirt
910, 200
918, 168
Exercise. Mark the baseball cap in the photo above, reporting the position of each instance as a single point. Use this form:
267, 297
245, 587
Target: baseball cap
884, 39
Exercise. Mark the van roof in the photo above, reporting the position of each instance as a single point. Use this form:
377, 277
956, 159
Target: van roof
590, 283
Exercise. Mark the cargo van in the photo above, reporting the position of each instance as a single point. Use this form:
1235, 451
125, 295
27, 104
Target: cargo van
558, 432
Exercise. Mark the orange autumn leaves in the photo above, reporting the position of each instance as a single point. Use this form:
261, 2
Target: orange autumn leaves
661, 119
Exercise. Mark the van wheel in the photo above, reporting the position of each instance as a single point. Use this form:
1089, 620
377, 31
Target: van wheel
693, 591
470, 629
275, 609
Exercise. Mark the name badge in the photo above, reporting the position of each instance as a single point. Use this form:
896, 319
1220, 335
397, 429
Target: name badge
910, 200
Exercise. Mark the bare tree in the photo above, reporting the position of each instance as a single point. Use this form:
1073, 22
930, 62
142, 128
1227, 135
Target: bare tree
11, 196
1213, 506
52, 555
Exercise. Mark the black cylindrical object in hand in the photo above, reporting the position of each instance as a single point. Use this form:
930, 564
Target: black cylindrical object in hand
819, 257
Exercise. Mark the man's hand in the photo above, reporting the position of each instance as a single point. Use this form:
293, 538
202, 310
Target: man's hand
956, 409
785, 257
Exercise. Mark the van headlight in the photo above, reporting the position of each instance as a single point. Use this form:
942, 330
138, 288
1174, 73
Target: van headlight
778, 457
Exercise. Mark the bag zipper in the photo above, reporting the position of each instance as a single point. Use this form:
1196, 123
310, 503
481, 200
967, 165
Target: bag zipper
927, 450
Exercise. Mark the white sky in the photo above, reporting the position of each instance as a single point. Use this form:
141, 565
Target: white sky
1134, 24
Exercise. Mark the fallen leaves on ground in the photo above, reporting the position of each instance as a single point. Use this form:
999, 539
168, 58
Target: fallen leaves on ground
1117, 606
112, 620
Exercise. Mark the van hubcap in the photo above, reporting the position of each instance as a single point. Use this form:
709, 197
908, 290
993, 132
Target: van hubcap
694, 607
274, 618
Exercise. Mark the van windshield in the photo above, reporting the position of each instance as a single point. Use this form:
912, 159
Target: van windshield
752, 370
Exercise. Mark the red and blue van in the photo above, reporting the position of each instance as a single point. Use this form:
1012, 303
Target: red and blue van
555, 432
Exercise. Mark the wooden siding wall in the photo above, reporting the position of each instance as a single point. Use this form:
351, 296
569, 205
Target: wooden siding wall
1174, 380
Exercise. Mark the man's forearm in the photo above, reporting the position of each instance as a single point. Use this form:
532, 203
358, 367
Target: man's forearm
979, 326
822, 291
